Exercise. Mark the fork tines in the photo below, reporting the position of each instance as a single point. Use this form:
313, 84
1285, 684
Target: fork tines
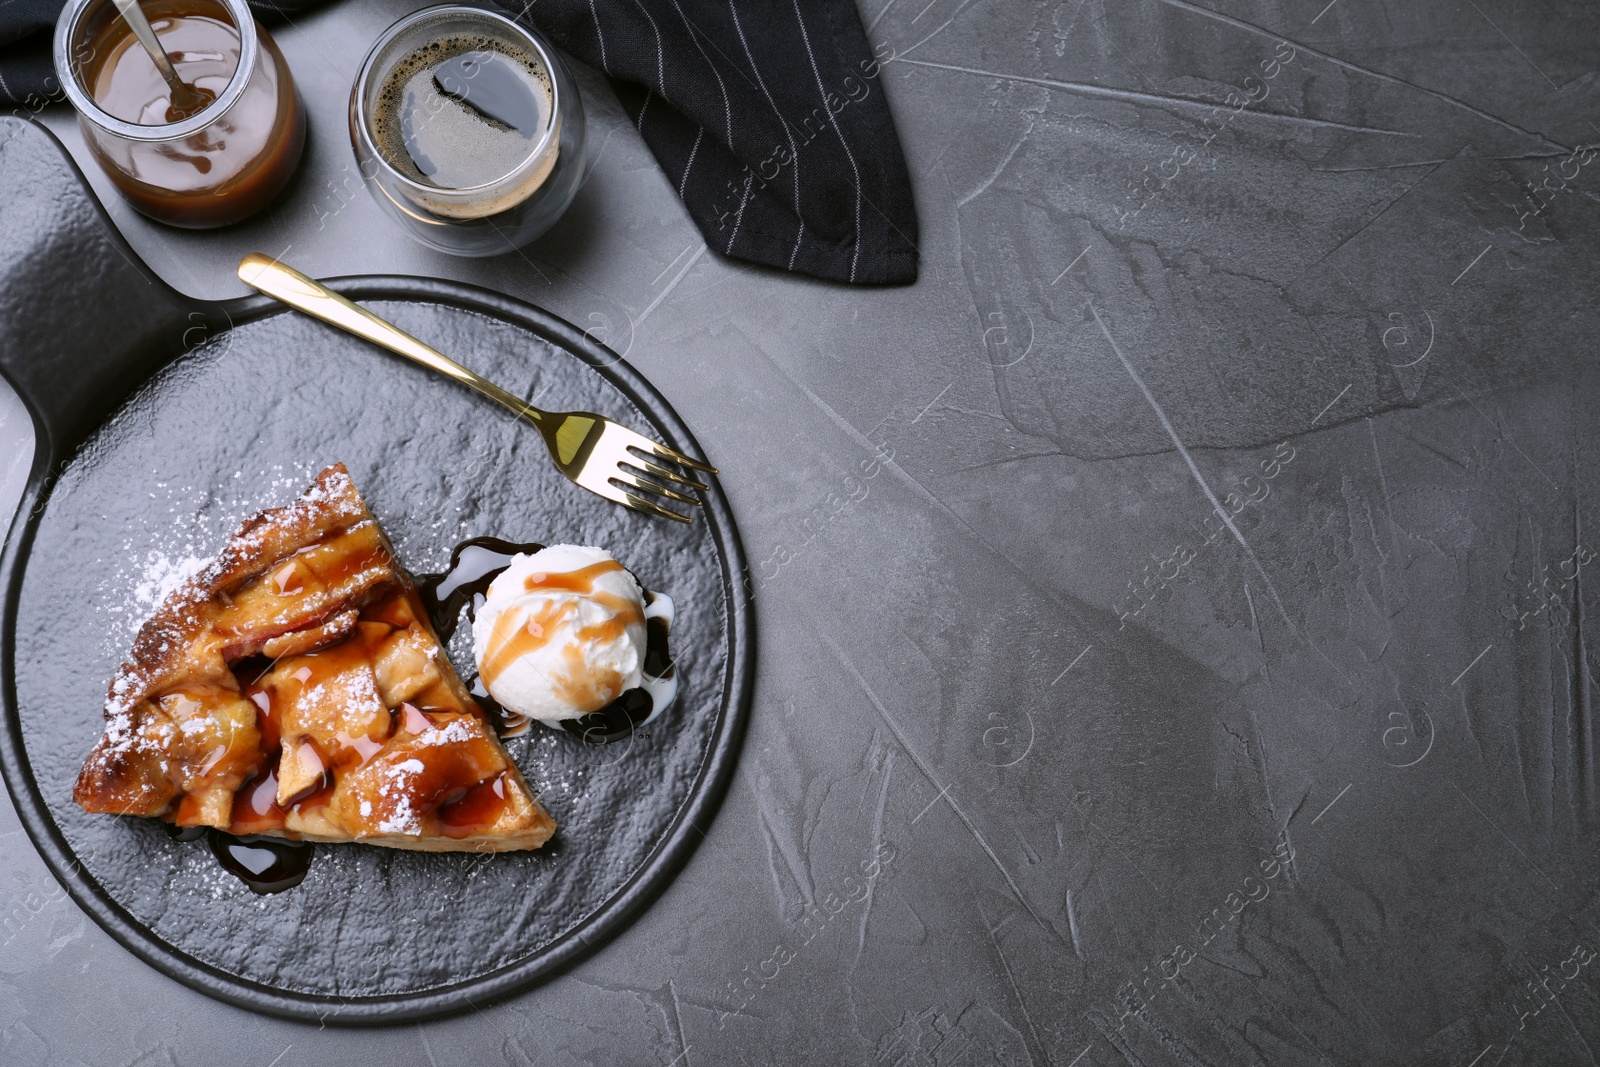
634, 476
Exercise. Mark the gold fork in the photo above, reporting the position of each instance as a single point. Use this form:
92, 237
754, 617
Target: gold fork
590, 449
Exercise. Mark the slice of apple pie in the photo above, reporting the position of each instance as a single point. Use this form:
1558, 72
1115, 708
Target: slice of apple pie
294, 687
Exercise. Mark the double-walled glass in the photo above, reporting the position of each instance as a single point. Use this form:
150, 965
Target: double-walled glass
499, 215
215, 167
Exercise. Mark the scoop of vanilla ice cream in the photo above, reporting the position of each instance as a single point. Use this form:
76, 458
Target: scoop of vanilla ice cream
561, 633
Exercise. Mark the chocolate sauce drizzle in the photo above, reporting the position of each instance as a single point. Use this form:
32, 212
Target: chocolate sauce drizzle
264, 864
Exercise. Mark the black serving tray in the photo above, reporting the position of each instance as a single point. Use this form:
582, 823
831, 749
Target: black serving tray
162, 421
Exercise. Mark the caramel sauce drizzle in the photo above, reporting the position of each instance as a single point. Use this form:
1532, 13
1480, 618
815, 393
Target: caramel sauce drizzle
453, 796
580, 581
322, 760
517, 634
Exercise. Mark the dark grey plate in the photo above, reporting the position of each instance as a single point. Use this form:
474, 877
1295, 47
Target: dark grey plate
233, 407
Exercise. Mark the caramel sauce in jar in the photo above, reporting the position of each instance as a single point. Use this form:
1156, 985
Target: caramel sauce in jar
197, 170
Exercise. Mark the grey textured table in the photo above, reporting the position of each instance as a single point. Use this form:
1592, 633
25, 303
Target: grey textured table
1181, 585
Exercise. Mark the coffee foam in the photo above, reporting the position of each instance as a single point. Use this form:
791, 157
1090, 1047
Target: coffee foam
385, 122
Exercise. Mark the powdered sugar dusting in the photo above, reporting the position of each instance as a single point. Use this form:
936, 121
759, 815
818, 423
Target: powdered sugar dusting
455, 731
197, 525
162, 576
355, 692
397, 787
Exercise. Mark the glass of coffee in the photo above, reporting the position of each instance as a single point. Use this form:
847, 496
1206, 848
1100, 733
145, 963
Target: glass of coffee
468, 129
195, 169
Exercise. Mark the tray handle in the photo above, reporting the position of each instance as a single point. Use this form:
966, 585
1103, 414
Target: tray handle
82, 320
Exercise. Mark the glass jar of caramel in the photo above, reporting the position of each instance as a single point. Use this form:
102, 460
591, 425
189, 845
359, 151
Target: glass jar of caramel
198, 169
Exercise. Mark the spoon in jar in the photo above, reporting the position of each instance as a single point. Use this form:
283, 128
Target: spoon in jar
186, 99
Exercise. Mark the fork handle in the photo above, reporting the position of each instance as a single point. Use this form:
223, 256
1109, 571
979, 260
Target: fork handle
317, 300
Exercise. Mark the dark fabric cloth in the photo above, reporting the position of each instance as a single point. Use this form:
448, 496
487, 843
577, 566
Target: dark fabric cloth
768, 117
